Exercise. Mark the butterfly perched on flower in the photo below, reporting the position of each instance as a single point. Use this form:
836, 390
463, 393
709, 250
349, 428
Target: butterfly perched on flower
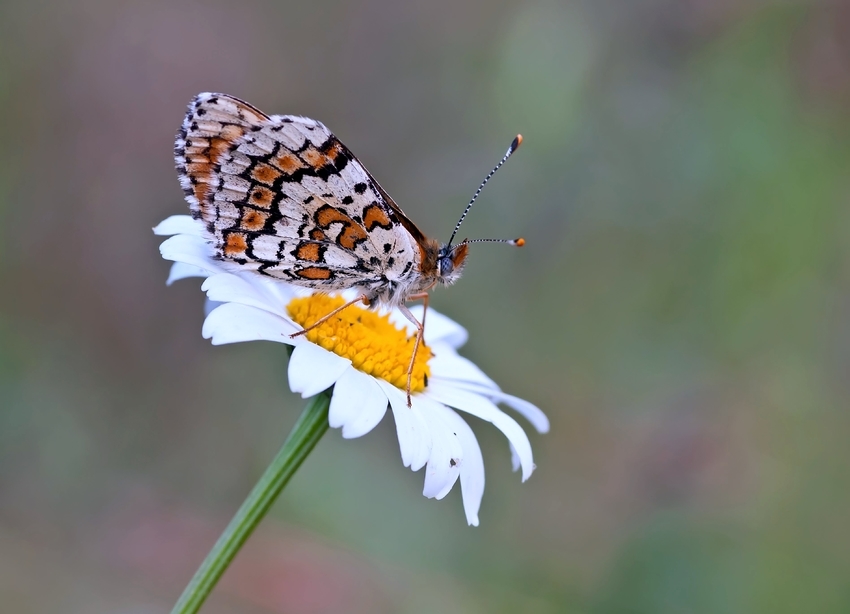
282, 196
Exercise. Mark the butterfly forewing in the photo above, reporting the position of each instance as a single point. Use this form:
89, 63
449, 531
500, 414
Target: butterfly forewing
283, 196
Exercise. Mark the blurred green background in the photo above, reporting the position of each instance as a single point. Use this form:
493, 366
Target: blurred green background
680, 310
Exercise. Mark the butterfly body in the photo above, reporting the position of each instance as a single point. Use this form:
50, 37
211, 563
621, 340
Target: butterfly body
282, 196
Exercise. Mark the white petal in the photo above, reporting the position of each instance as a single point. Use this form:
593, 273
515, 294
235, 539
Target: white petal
181, 270
443, 466
515, 462
179, 225
440, 328
414, 438
483, 408
471, 468
449, 365
190, 250
279, 292
358, 404
313, 369
232, 323
229, 288
529, 411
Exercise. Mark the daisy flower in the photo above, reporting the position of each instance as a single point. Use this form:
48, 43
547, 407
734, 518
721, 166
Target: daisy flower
364, 355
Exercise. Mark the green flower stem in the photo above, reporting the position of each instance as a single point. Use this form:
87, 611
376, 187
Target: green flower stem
306, 433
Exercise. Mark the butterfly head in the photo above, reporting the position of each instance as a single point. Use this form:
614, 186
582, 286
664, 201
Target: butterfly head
450, 262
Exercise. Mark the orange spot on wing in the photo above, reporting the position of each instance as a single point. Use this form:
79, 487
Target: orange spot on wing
351, 236
308, 251
352, 232
333, 150
329, 215
261, 197
288, 163
318, 235
314, 158
221, 143
217, 147
373, 216
254, 220
199, 167
265, 173
235, 245
314, 272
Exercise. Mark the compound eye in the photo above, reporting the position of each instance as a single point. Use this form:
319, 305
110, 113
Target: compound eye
446, 266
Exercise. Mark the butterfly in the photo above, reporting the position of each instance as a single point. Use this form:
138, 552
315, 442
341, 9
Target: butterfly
282, 196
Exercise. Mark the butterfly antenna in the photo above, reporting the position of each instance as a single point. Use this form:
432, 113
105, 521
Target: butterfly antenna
518, 242
514, 145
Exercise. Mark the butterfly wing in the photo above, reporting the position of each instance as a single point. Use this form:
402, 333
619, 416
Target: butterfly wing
283, 196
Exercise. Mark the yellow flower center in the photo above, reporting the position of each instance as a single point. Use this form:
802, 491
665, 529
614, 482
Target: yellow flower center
369, 340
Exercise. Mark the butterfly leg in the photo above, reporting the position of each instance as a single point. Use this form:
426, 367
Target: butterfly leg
325, 318
420, 332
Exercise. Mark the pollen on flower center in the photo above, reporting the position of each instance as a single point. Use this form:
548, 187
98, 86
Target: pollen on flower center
368, 339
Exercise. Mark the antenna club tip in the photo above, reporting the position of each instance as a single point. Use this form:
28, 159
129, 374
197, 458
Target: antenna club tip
516, 143
519, 242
